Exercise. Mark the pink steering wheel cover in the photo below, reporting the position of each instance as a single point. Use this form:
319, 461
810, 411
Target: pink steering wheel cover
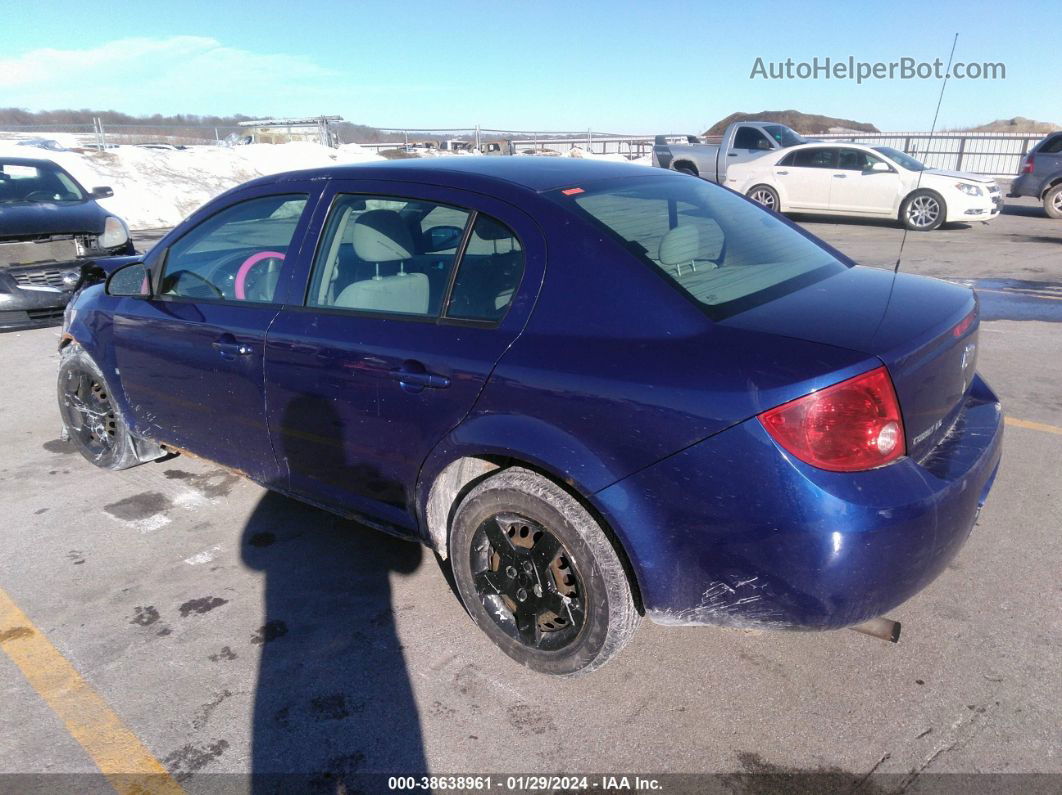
245, 268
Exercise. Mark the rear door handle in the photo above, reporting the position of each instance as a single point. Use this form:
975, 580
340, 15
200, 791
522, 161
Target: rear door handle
230, 349
419, 379
781, 173
839, 176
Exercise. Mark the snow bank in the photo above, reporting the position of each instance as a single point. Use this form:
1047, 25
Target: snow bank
575, 151
158, 187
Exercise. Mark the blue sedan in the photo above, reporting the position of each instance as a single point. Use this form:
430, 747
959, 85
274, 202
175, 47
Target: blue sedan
600, 391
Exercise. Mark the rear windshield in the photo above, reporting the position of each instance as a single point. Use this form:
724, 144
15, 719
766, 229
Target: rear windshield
726, 253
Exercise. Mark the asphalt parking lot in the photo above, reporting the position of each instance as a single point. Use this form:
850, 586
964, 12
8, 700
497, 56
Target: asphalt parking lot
224, 629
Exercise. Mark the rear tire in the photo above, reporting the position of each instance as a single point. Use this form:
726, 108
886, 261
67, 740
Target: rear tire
764, 195
687, 169
1053, 201
539, 576
91, 420
923, 211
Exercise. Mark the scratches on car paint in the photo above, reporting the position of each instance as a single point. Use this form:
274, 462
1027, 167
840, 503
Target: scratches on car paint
737, 604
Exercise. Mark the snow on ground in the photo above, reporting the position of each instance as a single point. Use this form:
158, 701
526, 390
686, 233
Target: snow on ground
644, 160
159, 187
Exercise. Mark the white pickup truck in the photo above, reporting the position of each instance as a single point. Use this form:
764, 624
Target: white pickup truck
743, 140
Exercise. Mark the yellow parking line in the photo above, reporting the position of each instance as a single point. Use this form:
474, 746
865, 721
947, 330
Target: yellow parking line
1034, 426
120, 756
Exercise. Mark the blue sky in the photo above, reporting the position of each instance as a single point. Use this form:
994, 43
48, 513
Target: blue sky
614, 66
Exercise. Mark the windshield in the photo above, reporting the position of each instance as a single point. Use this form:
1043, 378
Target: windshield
899, 157
723, 251
40, 182
784, 135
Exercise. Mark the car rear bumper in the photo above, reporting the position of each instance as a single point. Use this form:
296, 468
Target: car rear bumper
1025, 185
734, 531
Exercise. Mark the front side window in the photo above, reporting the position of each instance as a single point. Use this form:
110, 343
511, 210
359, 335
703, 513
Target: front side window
387, 254
235, 255
856, 160
723, 251
750, 138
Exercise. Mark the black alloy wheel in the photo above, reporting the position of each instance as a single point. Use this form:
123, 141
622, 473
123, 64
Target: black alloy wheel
527, 581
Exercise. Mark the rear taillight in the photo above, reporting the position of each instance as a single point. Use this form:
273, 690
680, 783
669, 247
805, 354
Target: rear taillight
1028, 166
847, 427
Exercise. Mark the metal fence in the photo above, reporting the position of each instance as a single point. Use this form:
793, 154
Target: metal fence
991, 154
99, 136
995, 154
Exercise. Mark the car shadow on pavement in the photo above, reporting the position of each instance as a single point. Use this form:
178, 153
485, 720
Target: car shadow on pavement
334, 699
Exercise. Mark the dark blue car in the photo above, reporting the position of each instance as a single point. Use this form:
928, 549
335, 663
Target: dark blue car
601, 391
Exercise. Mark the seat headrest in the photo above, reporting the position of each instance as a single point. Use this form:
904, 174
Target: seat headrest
381, 236
680, 245
487, 229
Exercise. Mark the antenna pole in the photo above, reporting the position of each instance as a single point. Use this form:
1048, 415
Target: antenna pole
932, 130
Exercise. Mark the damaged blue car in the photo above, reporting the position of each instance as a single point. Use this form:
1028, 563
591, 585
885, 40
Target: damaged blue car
599, 391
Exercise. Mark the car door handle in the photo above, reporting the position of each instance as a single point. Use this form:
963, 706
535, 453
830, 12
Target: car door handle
840, 176
781, 173
732, 154
408, 377
230, 349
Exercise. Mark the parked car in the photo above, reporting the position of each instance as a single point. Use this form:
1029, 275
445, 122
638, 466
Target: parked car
741, 142
1041, 175
865, 182
592, 387
49, 226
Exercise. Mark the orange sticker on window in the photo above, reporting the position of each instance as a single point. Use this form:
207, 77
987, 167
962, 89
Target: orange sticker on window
572, 191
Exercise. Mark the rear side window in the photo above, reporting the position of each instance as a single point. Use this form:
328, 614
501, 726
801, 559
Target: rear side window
489, 273
236, 255
815, 158
1052, 146
387, 254
720, 249
397, 256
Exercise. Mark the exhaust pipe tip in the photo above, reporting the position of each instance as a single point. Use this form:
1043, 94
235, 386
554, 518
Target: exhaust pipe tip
883, 628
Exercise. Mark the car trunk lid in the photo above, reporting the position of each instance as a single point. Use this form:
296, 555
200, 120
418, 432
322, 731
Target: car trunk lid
924, 330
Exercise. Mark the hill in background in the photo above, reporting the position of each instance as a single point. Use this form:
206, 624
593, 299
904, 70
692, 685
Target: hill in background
176, 124
806, 123
1018, 124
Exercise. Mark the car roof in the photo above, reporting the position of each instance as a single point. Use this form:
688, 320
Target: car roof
534, 173
820, 144
29, 161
